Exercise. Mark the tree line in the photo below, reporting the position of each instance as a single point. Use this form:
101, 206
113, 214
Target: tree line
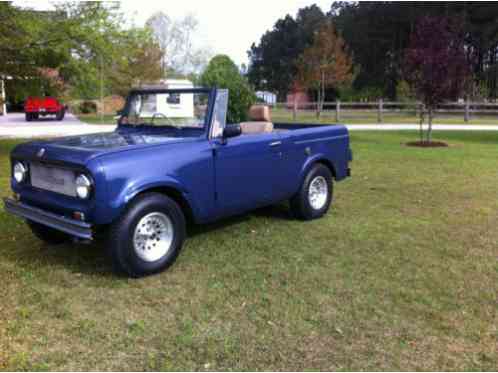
73, 50
82, 50
85, 50
376, 36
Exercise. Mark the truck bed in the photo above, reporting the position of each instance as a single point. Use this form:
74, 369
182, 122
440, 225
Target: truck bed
307, 141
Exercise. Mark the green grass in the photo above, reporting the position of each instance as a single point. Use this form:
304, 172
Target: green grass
401, 274
97, 119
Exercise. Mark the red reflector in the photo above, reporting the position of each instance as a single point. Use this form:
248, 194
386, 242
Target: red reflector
78, 215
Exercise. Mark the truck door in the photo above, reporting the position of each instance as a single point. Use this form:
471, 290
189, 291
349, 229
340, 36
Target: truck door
248, 172
247, 168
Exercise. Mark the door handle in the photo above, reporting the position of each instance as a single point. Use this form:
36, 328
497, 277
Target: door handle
276, 143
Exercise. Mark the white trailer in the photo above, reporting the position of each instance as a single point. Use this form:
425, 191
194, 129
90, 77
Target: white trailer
170, 104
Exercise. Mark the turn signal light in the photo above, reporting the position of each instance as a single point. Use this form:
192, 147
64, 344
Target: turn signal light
78, 215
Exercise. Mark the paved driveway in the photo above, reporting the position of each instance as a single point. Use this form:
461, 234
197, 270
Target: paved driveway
15, 125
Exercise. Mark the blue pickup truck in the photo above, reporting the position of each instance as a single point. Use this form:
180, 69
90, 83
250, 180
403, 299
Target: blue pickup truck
172, 160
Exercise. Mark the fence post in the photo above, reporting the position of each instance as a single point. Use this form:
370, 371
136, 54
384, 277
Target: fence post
379, 113
337, 110
467, 110
294, 109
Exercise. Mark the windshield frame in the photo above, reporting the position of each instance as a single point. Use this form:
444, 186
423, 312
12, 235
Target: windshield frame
211, 92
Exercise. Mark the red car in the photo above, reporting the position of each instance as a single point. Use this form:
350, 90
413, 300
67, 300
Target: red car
34, 107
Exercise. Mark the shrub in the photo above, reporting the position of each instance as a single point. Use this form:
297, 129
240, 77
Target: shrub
348, 93
404, 92
112, 104
87, 107
222, 72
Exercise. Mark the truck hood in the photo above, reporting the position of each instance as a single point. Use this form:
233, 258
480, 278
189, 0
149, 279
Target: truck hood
81, 149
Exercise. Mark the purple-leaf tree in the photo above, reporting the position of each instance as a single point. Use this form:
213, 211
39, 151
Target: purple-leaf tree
437, 64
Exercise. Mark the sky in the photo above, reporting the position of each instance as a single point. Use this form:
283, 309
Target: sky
228, 27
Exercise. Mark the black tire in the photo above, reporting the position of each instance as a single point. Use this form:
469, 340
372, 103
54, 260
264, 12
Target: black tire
60, 115
121, 246
47, 234
300, 204
35, 116
28, 117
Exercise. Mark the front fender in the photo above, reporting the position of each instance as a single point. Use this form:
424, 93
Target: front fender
141, 186
131, 190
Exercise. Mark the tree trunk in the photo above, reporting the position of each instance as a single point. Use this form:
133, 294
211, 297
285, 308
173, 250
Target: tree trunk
323, 91
429, 128
421, 128
3, 103
321, 95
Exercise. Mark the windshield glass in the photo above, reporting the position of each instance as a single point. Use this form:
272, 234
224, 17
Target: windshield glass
167, 109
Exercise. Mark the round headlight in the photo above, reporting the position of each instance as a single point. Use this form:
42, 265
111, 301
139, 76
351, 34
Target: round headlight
20, 172
83, 186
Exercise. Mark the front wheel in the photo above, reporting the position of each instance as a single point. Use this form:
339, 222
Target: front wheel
315, 195
148, 237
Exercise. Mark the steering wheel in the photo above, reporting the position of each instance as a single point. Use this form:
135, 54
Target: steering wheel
164, 116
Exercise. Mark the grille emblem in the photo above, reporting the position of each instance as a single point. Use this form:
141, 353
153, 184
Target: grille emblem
40, 152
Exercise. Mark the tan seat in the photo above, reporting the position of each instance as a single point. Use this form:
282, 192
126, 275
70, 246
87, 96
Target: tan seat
260, 120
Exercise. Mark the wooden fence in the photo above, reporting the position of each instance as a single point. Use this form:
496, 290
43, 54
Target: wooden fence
379, 109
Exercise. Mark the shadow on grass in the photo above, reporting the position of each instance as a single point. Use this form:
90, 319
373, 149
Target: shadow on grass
77, 258
85, 258
280, 212
92, 260
277, 212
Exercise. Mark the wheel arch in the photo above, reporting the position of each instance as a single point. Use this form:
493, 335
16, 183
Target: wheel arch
171, 188
318, 159
310, 162
173, 193
327, 164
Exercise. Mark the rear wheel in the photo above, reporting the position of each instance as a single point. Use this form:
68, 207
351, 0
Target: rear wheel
28, 117
47, 234
148, 237
315, 195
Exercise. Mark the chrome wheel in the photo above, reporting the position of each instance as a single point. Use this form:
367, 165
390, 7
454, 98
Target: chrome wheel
153, 236
318, 192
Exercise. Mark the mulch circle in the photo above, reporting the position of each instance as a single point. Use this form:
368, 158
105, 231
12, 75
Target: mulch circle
427, 144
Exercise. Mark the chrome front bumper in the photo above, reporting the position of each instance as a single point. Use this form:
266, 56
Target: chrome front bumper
73, 227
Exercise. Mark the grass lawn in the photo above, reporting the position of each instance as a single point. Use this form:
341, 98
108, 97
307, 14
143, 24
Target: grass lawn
402, 274
96, 119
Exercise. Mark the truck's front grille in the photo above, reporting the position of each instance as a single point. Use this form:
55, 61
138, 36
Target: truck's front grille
52, 178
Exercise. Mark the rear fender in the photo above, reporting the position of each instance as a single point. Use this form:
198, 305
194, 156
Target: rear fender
311, 161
